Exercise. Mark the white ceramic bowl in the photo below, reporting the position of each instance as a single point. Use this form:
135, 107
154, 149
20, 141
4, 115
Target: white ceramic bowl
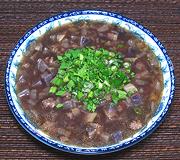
61, 19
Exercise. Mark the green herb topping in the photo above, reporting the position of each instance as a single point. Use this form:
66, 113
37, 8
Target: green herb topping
90, 74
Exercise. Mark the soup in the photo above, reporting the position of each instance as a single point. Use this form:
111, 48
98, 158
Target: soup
89, 83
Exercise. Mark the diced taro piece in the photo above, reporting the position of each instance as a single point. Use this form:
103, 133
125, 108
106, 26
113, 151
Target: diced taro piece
117, 136
37, 83
130, 88
47, 77
103, 28
93, 129
136, 99
89, 117
48, 103
135, 125
23, 93
84, 41
42, 66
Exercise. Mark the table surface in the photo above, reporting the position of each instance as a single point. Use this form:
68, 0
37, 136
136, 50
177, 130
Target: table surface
162, 17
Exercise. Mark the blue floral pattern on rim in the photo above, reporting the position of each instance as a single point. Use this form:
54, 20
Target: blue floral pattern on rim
110, 17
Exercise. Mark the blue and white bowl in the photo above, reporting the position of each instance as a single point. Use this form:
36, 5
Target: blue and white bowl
138, 30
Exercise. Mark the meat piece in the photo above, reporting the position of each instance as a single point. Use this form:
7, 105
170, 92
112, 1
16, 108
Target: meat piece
48, 126
60, 37
32, 102
33, 94
112, 36
64, 138
41, 65
116, 136
144, 74
75, 111
45, 50
158, 86
93, 129
43, 93
130, 88
38, 47
89, 117
105, 137
135, 125
55, 48
69, 115
140, 82
103, 28
47, 77
63, 132
140, 66
111, 113
128, 102
51, 116
35, 116
121, 106
26, 65
48, 103
65, 43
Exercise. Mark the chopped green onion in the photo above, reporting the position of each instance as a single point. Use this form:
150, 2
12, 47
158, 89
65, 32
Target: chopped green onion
60, 93
90, 74
59, 106
53, 89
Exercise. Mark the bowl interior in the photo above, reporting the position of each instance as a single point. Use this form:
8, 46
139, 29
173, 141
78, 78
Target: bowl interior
59, 20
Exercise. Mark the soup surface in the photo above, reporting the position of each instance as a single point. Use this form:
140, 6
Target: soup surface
89, 83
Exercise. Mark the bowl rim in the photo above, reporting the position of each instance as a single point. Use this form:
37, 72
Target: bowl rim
86, 12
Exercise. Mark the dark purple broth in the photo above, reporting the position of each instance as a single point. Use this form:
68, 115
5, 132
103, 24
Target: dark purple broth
72, 124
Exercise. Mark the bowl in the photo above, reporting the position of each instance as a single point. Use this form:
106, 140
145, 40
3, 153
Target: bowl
110, 17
